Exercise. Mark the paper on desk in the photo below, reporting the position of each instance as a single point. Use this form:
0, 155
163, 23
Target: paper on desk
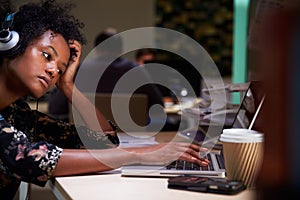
186, 104
134, 141
178, 107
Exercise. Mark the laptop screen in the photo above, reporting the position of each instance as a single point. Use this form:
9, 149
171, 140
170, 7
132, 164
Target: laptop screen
248, 113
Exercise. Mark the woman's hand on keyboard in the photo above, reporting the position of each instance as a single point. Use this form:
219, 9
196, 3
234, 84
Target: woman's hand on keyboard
166, 153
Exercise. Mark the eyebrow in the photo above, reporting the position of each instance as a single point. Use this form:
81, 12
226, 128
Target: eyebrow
55, 53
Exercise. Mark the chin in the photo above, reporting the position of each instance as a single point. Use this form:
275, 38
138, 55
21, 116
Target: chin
37, 94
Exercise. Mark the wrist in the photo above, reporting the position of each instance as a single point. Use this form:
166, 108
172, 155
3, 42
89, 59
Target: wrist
113, 126
113, 134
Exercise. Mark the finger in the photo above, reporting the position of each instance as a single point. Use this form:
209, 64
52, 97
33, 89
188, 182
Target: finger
193, 159
75, 47
192, 146
197, 155
198, 148
74, 43
200, 161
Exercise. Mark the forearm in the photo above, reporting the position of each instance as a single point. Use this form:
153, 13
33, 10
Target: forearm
92, 117
75, 162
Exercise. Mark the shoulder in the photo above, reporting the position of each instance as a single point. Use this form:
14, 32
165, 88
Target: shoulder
125, 63
20, 104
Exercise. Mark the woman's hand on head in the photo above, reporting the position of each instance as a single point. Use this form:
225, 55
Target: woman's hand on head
168, 152
66, 81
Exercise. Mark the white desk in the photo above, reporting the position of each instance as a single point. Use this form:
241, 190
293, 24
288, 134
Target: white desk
113, 186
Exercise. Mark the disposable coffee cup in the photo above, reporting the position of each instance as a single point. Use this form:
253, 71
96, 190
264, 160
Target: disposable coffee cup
243, 154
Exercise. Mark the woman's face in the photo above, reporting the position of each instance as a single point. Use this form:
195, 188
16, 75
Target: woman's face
38, 69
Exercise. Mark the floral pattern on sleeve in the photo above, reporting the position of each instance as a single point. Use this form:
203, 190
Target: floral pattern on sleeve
22, 161
31, 154
41, 127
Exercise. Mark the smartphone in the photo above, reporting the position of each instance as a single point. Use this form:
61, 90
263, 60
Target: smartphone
203, 184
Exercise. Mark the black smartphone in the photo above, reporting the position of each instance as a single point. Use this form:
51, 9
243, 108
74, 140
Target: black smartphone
203, 184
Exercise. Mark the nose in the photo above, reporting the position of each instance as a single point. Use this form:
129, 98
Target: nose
52, 71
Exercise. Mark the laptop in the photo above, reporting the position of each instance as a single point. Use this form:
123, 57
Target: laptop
245, 116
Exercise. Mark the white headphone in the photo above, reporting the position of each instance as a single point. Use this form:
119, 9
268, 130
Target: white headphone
8, 38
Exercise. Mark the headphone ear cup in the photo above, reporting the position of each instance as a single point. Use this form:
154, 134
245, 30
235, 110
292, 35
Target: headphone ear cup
8, 40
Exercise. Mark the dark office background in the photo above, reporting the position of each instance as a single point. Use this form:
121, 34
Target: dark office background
209, 22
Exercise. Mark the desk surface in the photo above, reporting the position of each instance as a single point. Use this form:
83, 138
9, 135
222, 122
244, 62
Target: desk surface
113, 186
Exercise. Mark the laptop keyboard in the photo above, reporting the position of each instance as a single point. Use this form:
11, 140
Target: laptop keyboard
185, 165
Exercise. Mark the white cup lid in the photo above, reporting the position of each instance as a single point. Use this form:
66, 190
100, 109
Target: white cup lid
241, 135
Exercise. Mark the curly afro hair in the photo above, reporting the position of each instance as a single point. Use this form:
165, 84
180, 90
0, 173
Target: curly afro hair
34, 19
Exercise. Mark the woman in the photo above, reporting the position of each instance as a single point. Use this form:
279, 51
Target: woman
47, 54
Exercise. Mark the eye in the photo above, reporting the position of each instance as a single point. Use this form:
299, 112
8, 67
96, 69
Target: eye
47, 56
59, 71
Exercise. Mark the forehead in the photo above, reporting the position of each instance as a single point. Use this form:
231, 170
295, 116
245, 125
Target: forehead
57, 41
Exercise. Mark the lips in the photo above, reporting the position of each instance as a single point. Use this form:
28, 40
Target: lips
45, 81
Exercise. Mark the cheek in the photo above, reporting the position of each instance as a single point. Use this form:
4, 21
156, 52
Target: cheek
19, 68
54, 81
27, 64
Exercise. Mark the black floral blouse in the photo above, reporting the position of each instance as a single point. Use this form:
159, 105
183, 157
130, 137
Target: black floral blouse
31, 144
